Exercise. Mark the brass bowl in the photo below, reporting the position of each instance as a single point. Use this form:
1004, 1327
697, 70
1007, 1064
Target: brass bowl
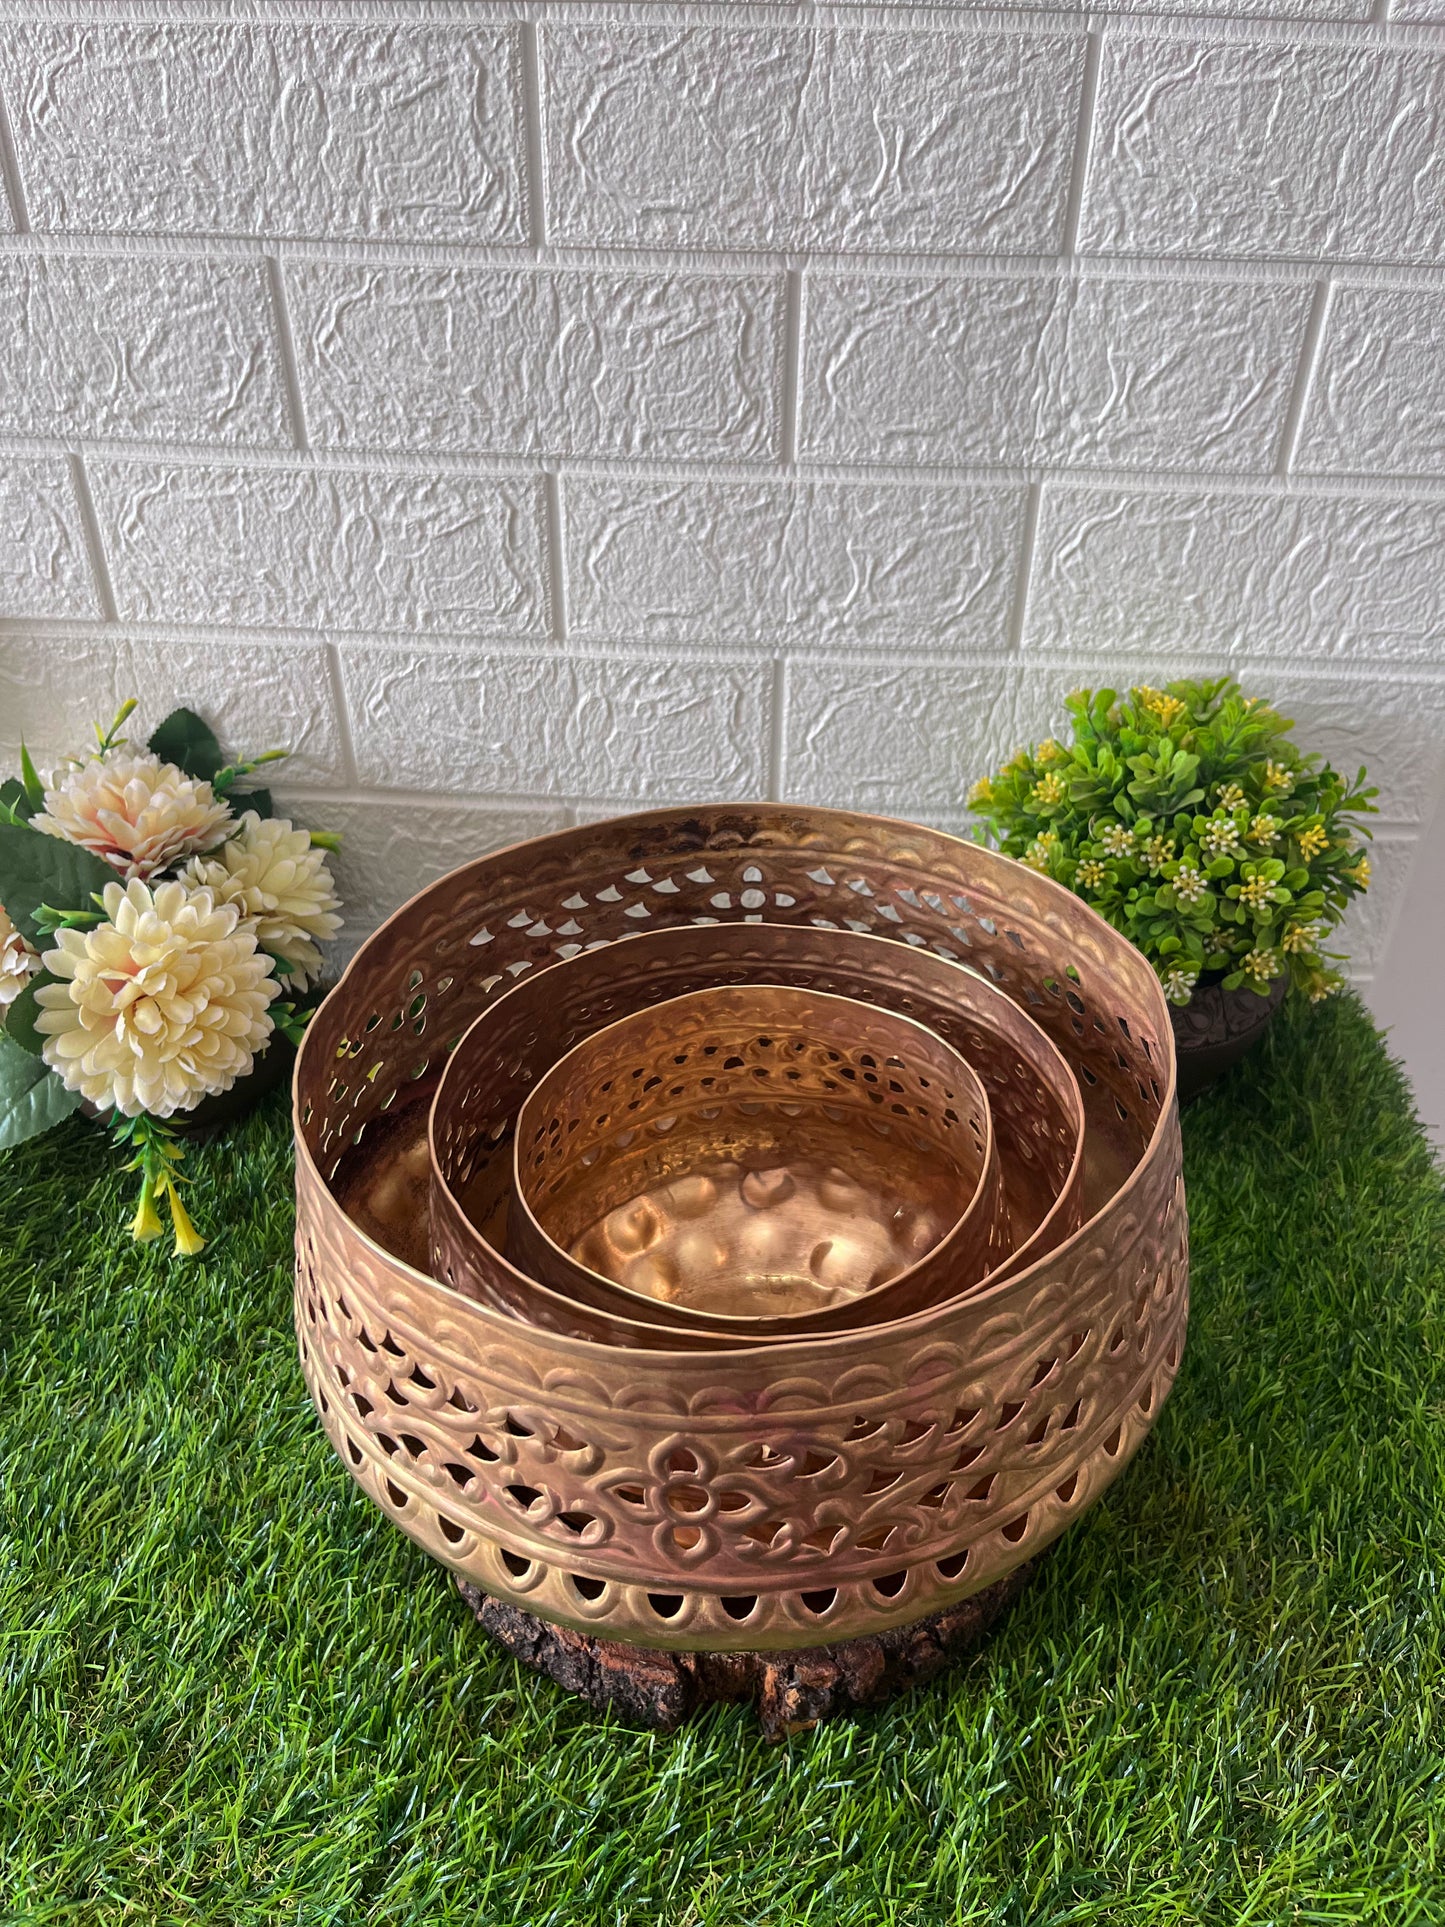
1035, 1104
760, 1156
782, 1495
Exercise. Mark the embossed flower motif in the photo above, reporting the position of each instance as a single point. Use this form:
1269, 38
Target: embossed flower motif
133, 811
18, 961
158, 1007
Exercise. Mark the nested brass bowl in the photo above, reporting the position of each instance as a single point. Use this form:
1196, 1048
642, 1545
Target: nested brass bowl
1034, 1099
773, 1495
758, 1153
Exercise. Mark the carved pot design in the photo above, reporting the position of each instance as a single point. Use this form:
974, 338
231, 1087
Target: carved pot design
769, 1496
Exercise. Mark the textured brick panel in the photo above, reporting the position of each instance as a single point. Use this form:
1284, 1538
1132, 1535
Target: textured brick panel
1395, 729
1365, 933
1124, 373
43, 565
525, 362
281, 548
1227, 9
908, 739
1187, 574
759, 137
554, 725
1272, 149
391, 132
390, 849
255, 697
1378, 404
773, 562
139, 350
1432, 11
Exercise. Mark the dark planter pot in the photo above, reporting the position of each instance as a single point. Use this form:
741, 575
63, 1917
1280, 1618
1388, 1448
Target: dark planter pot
213, 1114
1215, 1029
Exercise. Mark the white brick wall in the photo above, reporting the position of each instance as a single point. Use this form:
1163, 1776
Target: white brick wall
533, 410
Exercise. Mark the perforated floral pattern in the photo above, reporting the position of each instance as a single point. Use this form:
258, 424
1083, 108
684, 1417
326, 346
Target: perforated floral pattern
795, 1493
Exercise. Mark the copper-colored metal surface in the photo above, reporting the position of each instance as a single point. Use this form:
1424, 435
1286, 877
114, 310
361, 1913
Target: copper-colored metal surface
760, 1153
1032, 1094
779, 1495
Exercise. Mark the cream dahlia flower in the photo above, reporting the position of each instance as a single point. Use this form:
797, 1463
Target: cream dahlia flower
159, 1006
133, 811
17, 961
280, 884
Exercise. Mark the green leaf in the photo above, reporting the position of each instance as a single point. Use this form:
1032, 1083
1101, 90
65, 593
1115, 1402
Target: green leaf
36, 869
21, 1016
14, 803
189, 742
257, 800
30, 778
32, 1097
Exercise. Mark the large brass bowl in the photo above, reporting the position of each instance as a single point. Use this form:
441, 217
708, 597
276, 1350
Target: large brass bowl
777, 1495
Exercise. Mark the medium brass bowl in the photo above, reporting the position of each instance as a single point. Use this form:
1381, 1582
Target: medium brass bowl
1034, 1100
760, 1154
778, 1495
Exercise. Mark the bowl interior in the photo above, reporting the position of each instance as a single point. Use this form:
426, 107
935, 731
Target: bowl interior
753, 1151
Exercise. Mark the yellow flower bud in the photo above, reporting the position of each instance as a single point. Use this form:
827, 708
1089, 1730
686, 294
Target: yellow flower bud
188, 1240
147, 1224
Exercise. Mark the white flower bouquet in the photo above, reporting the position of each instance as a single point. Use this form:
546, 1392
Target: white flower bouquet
160, 933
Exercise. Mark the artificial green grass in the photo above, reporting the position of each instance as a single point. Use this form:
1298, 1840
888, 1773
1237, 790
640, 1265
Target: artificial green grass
232, 1692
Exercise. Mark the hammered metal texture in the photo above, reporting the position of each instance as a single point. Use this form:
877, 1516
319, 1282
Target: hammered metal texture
780, 1496
1032, 1094
759, 1156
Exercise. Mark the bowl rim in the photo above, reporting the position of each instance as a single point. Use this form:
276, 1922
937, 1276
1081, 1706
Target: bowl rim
802, 1353
966, 1220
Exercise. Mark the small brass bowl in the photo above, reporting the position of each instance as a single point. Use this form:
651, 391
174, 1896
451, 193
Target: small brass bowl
760, 1153
1036, 1109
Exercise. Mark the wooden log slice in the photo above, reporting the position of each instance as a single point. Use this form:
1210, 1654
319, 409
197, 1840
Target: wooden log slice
793, 1690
